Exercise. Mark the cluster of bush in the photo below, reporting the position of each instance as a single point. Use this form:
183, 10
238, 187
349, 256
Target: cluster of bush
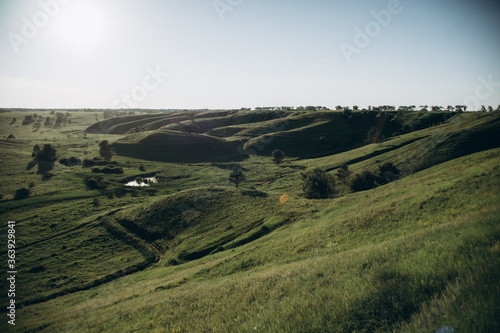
96, 161
108, 169
59, 119
94, 182
317, 184
367, 180
70, 162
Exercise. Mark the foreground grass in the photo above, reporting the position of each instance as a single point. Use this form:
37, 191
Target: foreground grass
415, 255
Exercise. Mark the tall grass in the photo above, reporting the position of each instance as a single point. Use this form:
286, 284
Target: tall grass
414, 255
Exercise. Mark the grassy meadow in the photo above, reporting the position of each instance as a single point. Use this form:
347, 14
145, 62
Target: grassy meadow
195, 253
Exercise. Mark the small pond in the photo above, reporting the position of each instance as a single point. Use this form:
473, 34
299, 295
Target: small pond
142, 182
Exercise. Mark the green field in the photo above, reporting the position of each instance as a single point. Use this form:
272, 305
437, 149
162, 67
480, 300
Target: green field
194, 253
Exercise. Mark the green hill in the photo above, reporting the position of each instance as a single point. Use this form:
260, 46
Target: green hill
300, 134
195, 253
172, 146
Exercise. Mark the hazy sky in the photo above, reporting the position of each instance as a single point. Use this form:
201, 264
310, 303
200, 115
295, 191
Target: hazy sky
248, 53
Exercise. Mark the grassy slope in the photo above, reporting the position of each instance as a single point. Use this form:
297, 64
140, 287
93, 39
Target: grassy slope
334, 132
365, 261
302, 265
300, 134
171, 146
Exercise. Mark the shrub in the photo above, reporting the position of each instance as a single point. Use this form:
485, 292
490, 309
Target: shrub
105, 150
364, 181
46, 153
112, 170
22, 193
388, 173
317, 184
278, 156
94, 182
69, 162
44, 166
44, 157
109, 170
88, 163
236, 176
190, 129
343, 173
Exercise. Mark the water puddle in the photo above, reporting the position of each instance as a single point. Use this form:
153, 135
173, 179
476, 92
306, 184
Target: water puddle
142, 182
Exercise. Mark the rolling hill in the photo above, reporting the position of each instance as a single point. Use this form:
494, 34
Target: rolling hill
194, 253
302, 134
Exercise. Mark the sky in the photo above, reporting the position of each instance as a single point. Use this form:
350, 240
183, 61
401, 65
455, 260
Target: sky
223, 54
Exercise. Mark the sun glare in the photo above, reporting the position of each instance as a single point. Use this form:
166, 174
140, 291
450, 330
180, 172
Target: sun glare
82, 26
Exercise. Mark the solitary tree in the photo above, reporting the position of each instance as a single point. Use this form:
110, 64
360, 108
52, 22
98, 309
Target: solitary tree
48, 122
190, 129
343, 173
105, 150
278, 156
388, 173
236, 176
45, 158
317, 184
